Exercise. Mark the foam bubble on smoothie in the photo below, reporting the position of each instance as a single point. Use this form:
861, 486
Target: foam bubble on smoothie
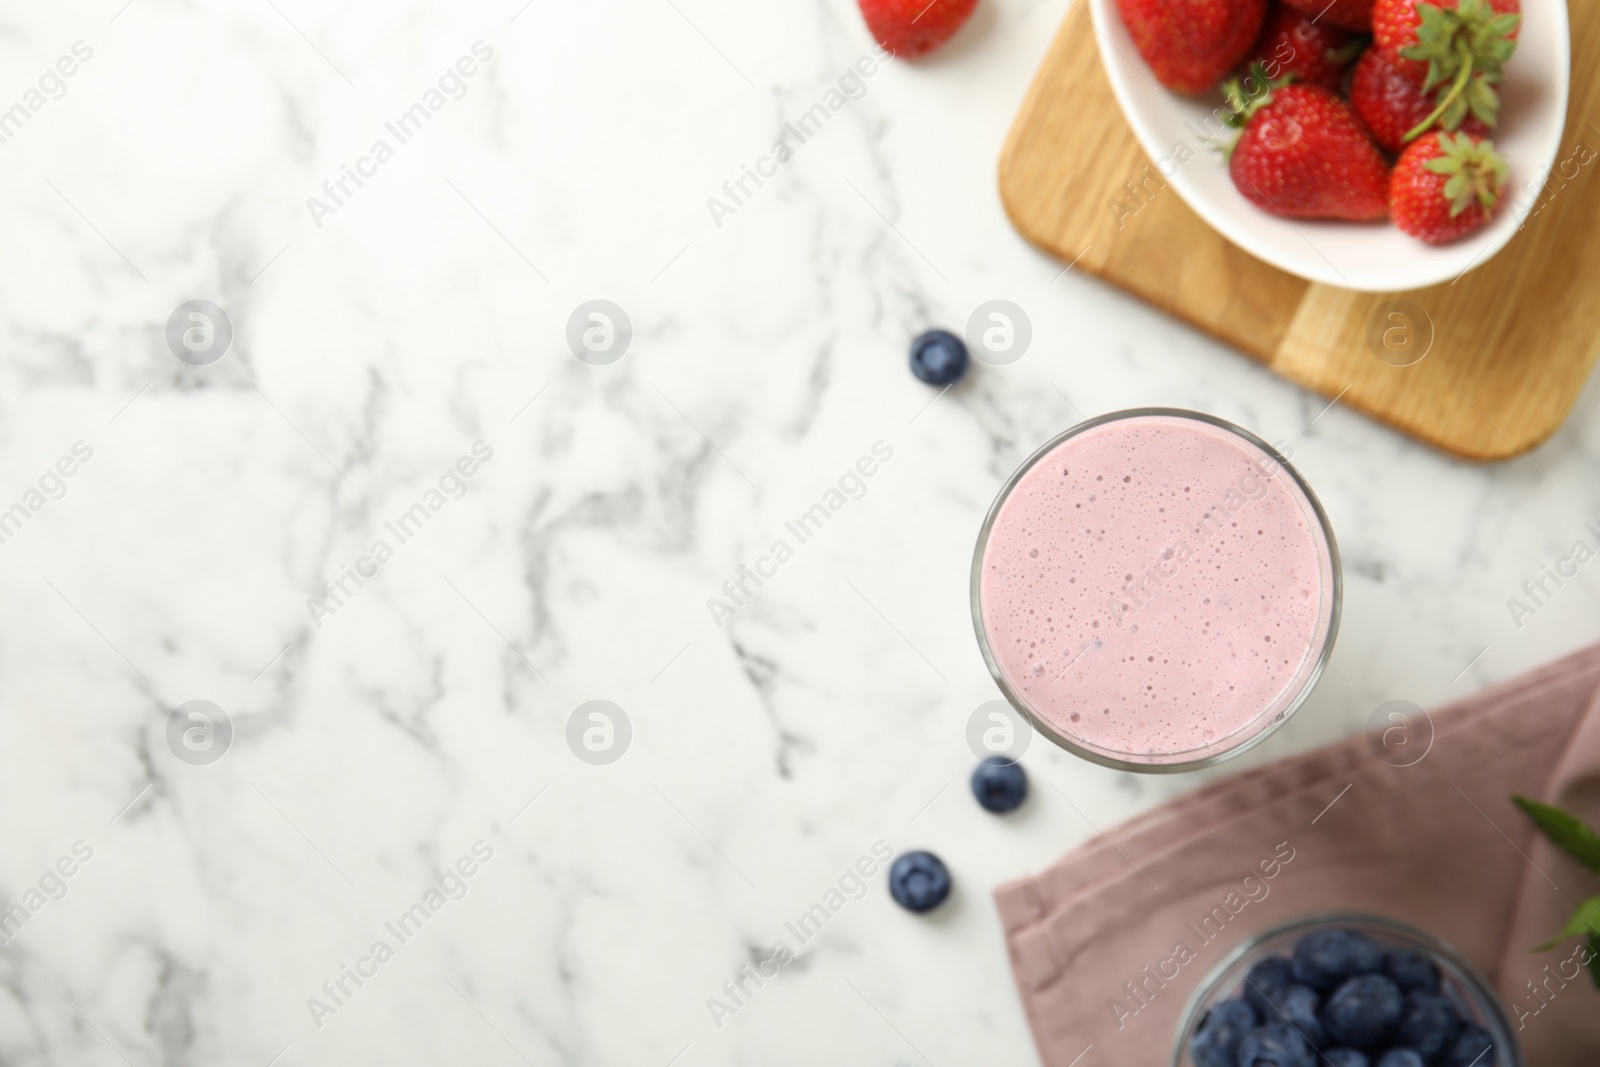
1156, 586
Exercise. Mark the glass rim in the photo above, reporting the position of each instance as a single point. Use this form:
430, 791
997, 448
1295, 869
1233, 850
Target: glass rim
1496, 1021
1056, 735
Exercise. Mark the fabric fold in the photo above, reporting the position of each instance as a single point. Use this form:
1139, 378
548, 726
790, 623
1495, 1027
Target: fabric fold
1108, 944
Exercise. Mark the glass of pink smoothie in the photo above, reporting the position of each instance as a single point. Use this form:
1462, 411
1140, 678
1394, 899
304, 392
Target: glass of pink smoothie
1157, 590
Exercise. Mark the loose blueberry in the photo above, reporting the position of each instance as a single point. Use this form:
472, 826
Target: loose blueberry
1324, 959
1401, 1057
1364, 1012
1471, 1048
1411, 970
919, 881
1299, 1010
1221, 1030
1346, 1057
1275, 1045
939, 357
1429, 1025
1264, 984
1000, 785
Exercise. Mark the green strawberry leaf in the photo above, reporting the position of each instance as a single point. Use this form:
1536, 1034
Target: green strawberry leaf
1483, 102
1465, 48
1594, 959
1566, 831
1491, 51
1245, 96
1435, 17
1585, 922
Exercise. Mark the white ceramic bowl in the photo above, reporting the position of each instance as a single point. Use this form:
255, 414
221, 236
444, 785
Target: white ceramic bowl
1373, 257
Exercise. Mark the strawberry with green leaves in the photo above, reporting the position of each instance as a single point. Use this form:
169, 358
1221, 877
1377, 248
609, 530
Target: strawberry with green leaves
1399, 23
1386, 91
1446, 186
1304, 154
1462, 45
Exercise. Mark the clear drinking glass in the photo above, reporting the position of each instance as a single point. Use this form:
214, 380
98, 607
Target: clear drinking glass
1318, 639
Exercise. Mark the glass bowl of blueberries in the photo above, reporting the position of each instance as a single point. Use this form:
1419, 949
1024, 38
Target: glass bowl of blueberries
1345, 991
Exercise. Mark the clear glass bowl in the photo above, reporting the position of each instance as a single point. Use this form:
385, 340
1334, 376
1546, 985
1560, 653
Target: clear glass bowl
1270, 718
1462, 982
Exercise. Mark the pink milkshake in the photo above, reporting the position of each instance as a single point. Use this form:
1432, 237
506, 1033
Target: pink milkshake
1157, 589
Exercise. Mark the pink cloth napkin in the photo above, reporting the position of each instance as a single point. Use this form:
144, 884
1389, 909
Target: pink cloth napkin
1437, 844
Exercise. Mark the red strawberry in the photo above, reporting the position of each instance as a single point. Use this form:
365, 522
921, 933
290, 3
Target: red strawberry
1304, 154
1386, 91
1446, 186
1395, 22
911, 28
1463, 45
1316, 53
1350, 14
1191, 45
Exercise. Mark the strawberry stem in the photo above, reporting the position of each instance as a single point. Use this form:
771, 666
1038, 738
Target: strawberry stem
1464, 50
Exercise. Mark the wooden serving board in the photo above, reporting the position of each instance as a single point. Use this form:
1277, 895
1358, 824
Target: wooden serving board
1514, 340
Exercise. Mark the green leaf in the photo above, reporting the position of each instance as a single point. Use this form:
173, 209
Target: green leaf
1483, 101
1585, 922
1594, 959
1567, 832
1491, 53
1244, 97
1469, 40
1436, 18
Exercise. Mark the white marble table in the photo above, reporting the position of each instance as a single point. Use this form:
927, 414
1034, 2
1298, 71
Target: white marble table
390, 736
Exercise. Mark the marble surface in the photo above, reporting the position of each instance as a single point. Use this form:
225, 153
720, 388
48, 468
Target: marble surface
417, 728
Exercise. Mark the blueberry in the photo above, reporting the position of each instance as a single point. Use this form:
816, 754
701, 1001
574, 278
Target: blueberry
919, 881
1265, 983
1412, 971
1364, 1012
1471, 1048
999, 784
1345, 1057
1429, 1024
1324, 959
1275, 1045
1401, 1057
1299, 1010
938, 357
1223, 1027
